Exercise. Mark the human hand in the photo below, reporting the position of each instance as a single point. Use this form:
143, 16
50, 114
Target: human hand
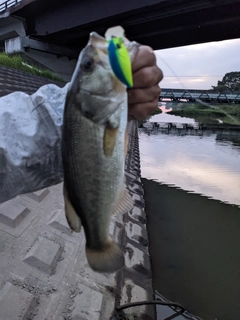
143, 96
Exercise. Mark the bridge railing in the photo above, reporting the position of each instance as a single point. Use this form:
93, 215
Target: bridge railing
174, 95
8, 4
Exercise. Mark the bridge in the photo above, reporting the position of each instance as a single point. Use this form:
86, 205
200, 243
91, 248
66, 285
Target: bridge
158, 23
53, 32
177, 95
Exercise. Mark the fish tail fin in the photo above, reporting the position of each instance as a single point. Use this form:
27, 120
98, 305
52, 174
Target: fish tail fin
110, 259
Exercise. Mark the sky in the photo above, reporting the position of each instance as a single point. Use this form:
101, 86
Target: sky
198, 66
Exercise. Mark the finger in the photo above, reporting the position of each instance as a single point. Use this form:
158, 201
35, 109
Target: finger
147, 77
142, 110
136, 96
144, 57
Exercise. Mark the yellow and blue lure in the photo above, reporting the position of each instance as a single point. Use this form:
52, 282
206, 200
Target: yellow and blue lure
120, 60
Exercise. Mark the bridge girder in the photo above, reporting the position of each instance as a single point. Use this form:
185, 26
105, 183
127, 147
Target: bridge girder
159, 23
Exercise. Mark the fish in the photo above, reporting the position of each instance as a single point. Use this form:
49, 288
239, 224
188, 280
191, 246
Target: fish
94, 147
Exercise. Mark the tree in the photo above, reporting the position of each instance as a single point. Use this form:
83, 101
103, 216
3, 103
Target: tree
230, 82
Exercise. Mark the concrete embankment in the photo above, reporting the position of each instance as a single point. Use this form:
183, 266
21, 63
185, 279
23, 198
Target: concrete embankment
195, 252
44, 271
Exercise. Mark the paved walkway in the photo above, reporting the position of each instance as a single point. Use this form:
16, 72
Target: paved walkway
44, 273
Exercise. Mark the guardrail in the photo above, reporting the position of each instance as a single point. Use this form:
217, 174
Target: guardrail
173, 95
8, 4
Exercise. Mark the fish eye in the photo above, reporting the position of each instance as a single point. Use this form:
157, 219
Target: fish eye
88, 64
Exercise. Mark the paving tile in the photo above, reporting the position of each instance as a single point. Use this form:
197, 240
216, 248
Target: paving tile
133, 293
12, 213
81, 268
133, 256
87, 304
135, 232
59, 222
15, 303
15, 217
138, 214
43, 255
39, 195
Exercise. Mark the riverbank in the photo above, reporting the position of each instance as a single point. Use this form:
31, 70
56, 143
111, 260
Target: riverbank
25, 64
212, 114
194, 249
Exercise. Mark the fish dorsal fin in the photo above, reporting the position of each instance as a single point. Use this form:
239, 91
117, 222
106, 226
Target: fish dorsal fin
125, 202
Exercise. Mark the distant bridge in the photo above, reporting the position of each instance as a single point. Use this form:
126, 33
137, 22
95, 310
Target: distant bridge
178, 95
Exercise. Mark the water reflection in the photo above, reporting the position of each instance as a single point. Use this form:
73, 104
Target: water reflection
164, 117
198, 161
229, 138
195, 253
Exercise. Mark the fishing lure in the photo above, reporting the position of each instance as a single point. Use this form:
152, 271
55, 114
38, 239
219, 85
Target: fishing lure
118, 56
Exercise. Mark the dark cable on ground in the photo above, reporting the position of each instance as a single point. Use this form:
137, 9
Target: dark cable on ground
140, 303
169, 304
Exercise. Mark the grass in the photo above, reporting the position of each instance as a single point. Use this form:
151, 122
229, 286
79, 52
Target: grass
228, 113
17, 62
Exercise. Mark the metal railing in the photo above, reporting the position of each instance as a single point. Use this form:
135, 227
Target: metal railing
8, 4
178, 95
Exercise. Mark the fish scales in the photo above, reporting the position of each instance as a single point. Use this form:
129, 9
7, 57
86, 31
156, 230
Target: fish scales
96, 189
93, 150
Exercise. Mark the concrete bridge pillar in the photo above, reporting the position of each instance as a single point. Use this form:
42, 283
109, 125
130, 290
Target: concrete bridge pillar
11, 27
13, 39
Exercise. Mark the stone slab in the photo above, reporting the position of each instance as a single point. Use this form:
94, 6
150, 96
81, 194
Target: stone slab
133, 293
138, 214
43, 255
133, 256
12, 213
87, 304
59, 222
15, 303
39, 195
22, 226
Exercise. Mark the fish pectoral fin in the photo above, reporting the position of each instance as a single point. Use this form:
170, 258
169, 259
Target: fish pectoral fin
125, 202
109, 140
73, 219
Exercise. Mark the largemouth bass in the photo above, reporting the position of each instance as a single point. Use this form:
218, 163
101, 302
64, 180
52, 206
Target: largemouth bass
94, 145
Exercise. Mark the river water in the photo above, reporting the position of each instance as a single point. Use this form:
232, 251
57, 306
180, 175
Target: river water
191, 181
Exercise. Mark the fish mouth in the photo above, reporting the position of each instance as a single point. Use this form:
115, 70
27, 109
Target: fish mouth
96, 38
98, 95
98, 42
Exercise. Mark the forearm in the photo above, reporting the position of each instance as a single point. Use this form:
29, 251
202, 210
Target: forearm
30, 140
